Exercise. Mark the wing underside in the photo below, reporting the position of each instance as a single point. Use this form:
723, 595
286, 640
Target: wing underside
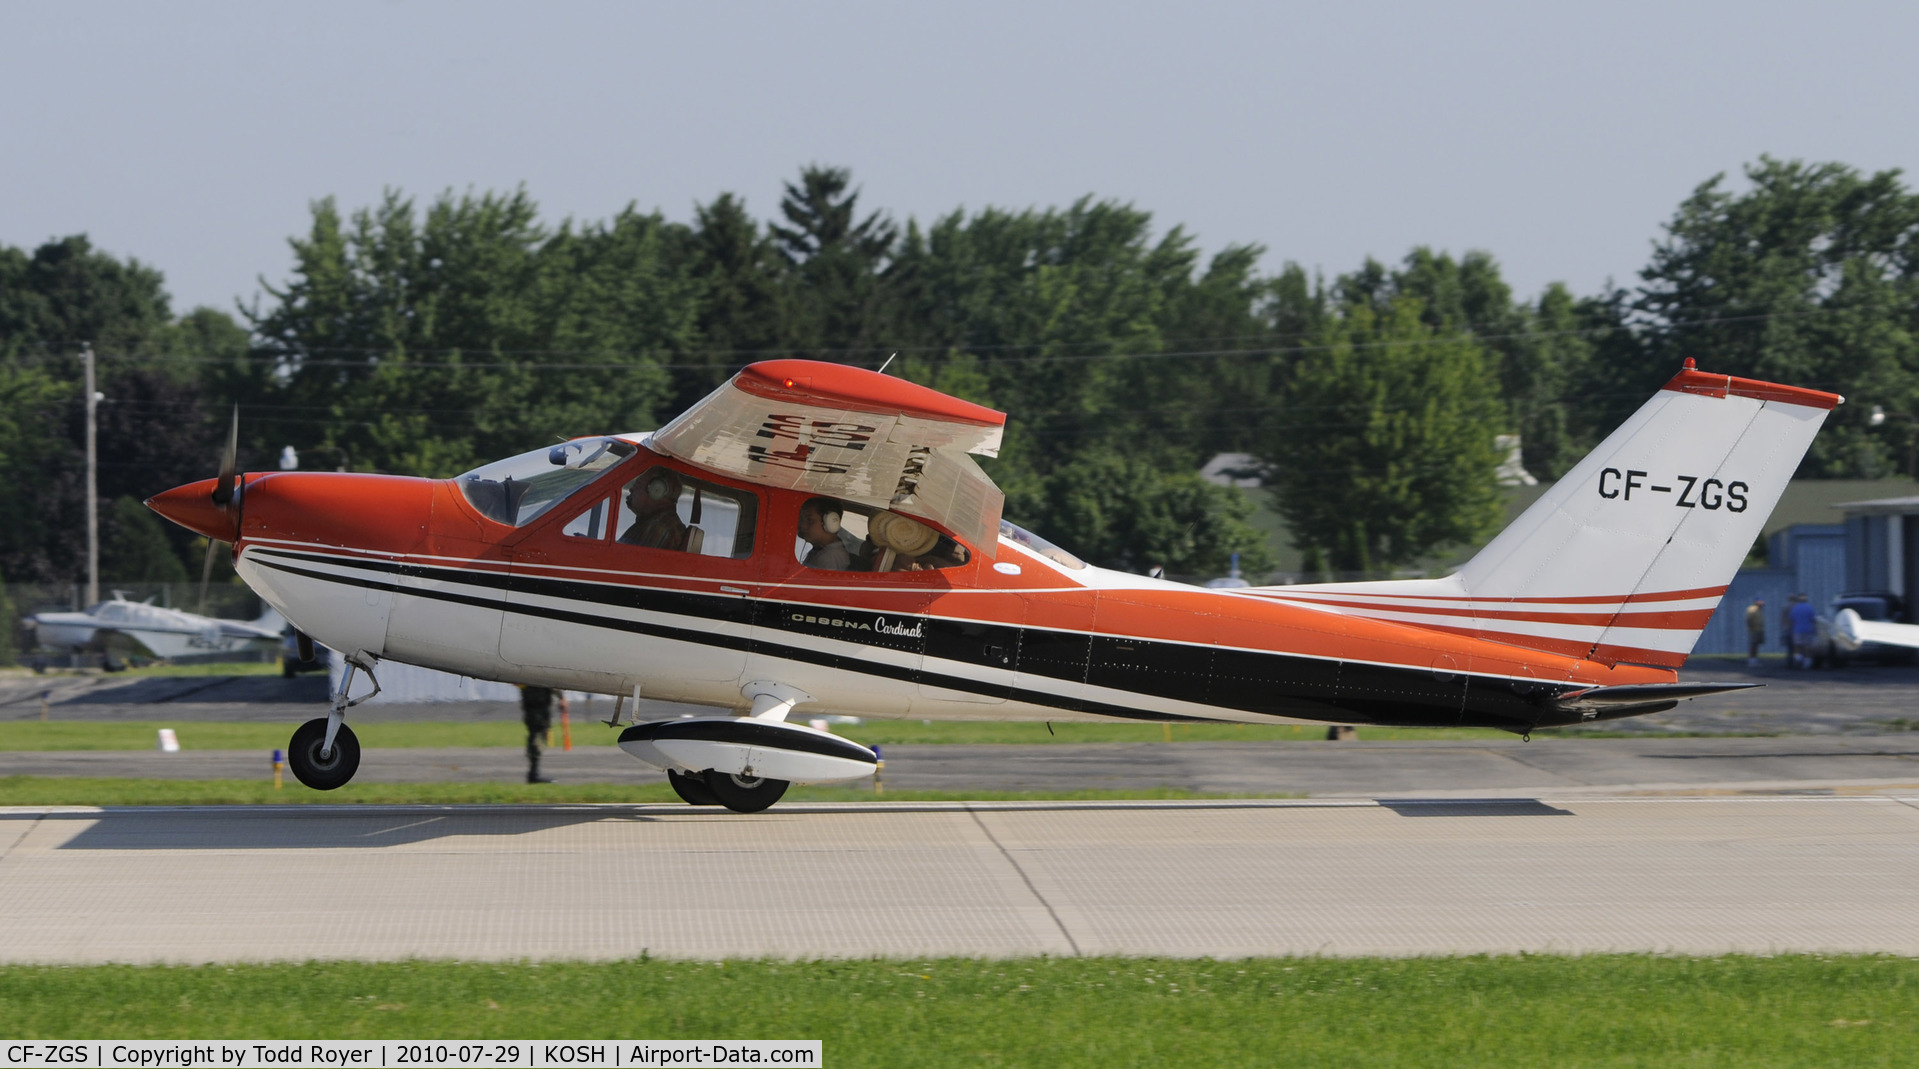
849, 433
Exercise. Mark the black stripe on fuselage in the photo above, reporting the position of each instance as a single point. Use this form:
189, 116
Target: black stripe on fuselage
1261, 682
749, 733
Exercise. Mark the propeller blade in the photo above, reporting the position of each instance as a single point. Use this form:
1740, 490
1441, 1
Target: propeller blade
206, 573
229, 461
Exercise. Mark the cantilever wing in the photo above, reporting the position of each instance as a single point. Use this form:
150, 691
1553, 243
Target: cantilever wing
849, 433
1850, 631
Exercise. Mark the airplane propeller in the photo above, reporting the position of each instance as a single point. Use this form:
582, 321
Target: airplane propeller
224, 497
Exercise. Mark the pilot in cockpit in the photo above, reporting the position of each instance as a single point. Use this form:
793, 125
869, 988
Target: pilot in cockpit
654, 499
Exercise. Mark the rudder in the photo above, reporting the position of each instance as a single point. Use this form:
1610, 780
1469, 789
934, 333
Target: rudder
1625, 558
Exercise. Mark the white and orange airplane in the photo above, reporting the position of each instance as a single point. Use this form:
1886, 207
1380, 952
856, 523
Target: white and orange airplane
817, 537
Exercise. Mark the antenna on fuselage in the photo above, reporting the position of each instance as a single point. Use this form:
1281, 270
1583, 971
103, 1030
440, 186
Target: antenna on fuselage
888, 360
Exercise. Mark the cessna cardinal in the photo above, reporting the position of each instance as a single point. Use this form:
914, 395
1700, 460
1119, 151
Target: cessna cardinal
817, 537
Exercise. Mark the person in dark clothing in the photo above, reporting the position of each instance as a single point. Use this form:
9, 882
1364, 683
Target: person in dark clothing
536, 711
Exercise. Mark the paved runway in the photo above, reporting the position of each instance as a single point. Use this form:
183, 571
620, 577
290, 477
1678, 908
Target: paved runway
1690, 875
1319, 769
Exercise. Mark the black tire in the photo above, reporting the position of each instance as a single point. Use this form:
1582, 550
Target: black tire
303, 756
691, 788
744, 794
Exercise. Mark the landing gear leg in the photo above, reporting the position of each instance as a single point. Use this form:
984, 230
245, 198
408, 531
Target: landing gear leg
324, 753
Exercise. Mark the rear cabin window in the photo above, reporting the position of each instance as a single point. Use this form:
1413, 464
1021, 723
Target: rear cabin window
665, 509
840, 536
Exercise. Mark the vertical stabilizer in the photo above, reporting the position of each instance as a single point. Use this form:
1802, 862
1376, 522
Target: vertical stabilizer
1625, 558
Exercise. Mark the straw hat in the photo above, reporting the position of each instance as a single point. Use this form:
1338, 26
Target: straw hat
901, 534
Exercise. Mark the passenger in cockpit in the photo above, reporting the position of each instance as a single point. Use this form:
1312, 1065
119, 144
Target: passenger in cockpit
820, 528
655, 498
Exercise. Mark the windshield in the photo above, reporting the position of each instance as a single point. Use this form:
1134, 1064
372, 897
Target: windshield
1020, 536
518, 490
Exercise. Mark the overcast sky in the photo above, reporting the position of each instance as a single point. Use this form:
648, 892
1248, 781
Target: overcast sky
1557, 136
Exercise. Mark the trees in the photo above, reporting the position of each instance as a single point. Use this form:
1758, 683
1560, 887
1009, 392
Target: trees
1810, 276
134, 547
839, 294
1383, 449
423, 337
152, 427
422, 343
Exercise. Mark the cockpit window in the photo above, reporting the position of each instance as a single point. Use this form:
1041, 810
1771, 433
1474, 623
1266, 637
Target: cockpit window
518, 490
1026, 539
840, 536
664, 509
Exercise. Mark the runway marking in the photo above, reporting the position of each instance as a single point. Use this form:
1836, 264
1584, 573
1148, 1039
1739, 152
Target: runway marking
403, 827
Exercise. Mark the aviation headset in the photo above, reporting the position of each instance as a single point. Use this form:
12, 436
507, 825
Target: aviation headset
829, 516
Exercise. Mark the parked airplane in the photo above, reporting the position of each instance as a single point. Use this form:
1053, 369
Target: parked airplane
121, 628
1857, 633
814, 536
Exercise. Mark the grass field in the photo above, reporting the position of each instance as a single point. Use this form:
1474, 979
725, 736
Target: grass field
1609, 1010
64, 790
56, 734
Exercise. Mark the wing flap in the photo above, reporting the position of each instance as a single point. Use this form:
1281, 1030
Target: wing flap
849, 433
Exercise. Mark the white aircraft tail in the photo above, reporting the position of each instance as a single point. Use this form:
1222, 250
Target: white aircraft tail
1625, 558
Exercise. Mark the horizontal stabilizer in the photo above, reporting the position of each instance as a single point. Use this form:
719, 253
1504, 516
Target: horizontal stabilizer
1633, 695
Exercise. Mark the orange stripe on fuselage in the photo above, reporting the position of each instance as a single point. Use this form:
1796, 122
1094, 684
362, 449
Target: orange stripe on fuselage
1583, 599
1677, 620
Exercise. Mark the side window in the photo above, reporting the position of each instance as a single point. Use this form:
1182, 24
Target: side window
664, 509
839, 536
588, 524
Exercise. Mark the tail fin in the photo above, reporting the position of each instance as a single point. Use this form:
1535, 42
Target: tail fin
1625, 558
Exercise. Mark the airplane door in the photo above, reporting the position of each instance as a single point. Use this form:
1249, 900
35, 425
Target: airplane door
591, 621
861, 641
1055, 642
972, 648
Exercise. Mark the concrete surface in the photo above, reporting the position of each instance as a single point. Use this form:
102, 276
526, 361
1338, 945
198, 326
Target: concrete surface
1319, 769
1687, 875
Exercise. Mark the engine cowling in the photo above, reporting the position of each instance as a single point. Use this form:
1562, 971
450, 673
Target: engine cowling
747, 747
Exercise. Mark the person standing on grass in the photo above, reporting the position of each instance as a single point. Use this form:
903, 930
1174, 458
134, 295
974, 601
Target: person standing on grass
536, 712
1755, 631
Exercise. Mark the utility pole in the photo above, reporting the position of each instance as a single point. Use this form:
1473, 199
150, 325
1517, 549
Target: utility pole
93, 496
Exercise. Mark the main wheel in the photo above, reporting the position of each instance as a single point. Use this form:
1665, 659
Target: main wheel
744, 794
334, 770
691, 788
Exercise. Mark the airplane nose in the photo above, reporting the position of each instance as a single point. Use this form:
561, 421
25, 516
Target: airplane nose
191, 506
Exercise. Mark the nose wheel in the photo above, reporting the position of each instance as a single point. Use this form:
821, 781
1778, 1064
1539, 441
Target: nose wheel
744, 794
317, 767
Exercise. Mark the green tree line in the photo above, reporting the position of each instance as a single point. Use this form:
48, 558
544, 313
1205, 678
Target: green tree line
427, 337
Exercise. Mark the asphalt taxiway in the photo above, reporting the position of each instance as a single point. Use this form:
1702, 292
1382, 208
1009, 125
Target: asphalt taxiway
1758, 874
